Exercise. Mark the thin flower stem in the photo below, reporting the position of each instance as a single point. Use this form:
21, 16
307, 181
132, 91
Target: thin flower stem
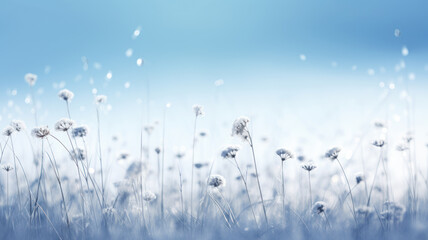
350, 191
283, 189
246, 190
191, 179
257, 177
101, 158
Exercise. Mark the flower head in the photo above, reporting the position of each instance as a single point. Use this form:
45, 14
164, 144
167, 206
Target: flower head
66, 95
79, 154
8, 131
198, 110
378, 143
7, 168
123, 156
284, 154
149, 196
149, 129
157, 150
240, 129
333, 153
402, 147
80, 131
379, 124
359, 177
230, 151
31, 79
101, 99
40, 132
309, 166
319, 207
18, 125
64, 124
216, 181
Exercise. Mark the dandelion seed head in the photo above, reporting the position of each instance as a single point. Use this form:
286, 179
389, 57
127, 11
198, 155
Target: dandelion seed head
7, 168
123, 156
378, 143
64, 124
31, 79
359, 177
149, 196
66, 95
284, 154
402, 147
309, 166
149, 129
217, 181
40, 132
80, 131
364, 211
100, 99
18, 125
8, 131
198, 110
319, 207
79, 154
230, 151
157, 150
333, 153
240, 129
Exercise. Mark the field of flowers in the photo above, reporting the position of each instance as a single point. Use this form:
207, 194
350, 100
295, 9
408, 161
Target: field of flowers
65, 190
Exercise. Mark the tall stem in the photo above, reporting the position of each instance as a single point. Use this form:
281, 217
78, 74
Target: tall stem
283, 188
16, 173
310, 190
191, 180
257, 177
246, 190
350, 190
101, 159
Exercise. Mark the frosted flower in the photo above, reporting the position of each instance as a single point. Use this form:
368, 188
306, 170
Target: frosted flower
31, 79
123, 156
66, 95
149, 129
359, 177
80, 131
402, 147
230, 151
198, 110
79, 154
101, 99
8, 131
408, 137
7, 168
240, 128
149, 196
378, 143
284, 154
394, 212
157, 150
18, 125
319, 207
216, 181
379, 124
309, 166
333, 153
199, 165
64, 124
40, 132
301, 158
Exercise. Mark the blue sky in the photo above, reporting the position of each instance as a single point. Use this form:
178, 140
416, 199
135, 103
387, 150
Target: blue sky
254, 46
